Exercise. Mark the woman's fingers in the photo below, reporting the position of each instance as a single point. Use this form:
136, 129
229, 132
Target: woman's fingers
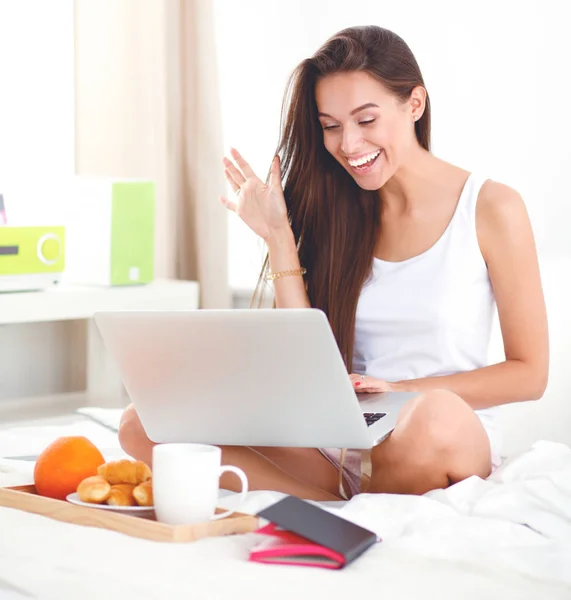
228, 203
235, 178
368, 384
230, 179
356, 381
246, 168
276, 174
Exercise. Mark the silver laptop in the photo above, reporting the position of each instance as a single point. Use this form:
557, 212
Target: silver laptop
253, 377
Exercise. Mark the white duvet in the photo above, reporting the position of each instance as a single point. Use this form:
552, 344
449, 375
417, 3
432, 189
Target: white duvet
506, 537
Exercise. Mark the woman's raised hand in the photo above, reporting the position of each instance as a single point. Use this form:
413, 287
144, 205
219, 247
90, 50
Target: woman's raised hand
261, 206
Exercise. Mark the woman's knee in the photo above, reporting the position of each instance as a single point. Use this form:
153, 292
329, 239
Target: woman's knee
435, 419
131, 433
446, 429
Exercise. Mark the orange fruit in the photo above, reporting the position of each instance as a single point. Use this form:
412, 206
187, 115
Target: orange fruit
64, 464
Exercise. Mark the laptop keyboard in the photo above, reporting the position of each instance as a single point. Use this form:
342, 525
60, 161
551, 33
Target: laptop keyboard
371, 418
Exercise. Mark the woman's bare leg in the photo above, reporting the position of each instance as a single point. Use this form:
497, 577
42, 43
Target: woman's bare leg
302, 472
438, 440
132, 436
263, 474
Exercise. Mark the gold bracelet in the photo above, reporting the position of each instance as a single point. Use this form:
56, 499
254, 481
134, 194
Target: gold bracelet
272, 276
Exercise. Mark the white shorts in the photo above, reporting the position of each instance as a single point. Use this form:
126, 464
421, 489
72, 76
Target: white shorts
492, 427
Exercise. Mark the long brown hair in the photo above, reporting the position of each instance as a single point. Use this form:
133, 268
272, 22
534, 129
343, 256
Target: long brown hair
335, 222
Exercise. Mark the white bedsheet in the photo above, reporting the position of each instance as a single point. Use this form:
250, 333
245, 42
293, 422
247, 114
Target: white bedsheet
506, 537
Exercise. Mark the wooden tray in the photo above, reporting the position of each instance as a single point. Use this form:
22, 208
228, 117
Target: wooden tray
26, 498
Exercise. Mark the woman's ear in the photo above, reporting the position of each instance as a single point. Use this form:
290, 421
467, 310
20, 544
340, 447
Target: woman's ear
417, 102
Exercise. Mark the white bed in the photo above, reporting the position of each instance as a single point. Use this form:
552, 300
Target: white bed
506, 537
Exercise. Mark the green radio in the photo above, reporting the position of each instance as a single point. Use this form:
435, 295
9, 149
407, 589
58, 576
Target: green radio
31, 258
111, 232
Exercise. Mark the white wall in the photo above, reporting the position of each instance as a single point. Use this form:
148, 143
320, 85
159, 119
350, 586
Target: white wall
36, 106
36, 148
496, 73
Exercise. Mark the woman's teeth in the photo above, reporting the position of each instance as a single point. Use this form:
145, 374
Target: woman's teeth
364, 160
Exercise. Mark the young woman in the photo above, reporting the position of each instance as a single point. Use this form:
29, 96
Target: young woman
408, 256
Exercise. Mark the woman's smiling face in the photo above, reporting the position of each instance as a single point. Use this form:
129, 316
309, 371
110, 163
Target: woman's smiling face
366, 128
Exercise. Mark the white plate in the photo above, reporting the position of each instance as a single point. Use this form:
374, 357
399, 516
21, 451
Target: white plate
135, 511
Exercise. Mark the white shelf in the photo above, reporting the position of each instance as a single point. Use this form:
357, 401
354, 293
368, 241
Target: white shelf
74, 302
67, 302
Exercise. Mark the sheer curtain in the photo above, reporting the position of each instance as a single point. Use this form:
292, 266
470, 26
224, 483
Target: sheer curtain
147, 106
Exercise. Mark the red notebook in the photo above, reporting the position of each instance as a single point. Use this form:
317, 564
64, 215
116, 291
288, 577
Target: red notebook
303, 534
285, 547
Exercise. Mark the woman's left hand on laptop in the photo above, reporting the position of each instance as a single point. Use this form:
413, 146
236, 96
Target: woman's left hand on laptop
368, 384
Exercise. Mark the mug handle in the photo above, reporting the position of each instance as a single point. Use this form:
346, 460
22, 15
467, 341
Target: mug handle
243, 492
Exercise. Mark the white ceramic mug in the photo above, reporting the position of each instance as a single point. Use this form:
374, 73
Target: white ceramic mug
186, 480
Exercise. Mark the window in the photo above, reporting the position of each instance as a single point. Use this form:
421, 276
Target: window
36, 108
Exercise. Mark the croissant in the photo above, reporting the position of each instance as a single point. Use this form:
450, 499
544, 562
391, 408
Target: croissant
125, 471
121, 494
143, 493
94, 489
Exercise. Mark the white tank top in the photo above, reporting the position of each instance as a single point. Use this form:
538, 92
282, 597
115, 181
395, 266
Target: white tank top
431, 314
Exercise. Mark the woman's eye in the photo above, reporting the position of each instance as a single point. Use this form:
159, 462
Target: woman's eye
330, 127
